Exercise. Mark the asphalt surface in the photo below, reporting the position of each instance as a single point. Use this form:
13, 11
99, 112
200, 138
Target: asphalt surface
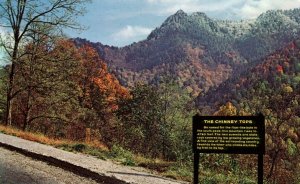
19, 169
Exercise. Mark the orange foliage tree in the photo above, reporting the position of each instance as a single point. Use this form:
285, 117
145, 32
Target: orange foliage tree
100, 92
62, 89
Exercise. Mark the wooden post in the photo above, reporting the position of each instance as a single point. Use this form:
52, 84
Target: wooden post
88, 135
260, 169
196, 167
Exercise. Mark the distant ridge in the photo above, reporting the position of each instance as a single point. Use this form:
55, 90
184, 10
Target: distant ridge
200, 52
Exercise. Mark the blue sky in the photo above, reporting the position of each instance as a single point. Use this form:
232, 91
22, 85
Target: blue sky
122, 22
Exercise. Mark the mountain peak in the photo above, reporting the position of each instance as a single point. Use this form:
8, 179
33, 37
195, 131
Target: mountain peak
180, 12
178, 17
174, 22
270, 14
182, 22
198, 14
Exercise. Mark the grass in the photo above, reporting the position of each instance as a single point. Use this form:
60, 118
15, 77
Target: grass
95, 148
211, 177
183, 172
31, 136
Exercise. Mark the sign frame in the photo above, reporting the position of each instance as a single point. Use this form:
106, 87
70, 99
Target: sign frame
257, 121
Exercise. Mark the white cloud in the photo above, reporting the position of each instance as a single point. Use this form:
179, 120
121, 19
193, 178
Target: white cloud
240, 8
1, 49
3, 37
171, 6
131, 33
252, 8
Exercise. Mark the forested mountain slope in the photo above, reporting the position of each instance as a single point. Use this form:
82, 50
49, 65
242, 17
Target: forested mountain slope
200, 52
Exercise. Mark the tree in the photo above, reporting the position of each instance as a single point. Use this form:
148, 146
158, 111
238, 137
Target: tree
177, 110
23, 18
226, 110
47, 84
282, 127
3, 83
158, 116
140, 118
100, 92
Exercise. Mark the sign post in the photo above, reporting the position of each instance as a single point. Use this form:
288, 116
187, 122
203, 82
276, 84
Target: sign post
196, 167
231, 135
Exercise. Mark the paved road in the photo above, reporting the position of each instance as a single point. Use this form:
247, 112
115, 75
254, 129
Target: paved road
18, 169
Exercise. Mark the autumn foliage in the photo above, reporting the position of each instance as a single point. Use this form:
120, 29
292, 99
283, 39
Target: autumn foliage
95, 76
62, 89
272, 87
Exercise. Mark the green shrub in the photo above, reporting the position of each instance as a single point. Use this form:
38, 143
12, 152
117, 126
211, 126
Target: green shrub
122, 155
78, 147
96, 152
65, 147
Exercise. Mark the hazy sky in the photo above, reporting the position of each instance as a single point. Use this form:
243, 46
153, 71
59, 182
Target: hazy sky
121, 22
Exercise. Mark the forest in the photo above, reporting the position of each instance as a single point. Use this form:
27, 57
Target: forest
62, 89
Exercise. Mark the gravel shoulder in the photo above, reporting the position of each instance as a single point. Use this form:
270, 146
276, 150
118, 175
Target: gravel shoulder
84, 165
17, 168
